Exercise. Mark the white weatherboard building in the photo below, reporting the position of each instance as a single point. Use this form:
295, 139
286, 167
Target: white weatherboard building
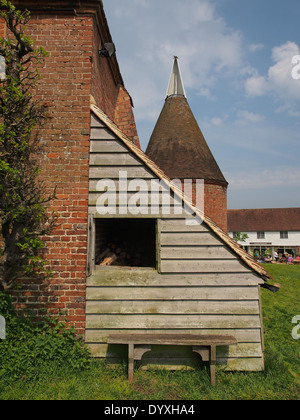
267, 229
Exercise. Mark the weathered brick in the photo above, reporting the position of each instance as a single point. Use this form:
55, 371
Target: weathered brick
72, 73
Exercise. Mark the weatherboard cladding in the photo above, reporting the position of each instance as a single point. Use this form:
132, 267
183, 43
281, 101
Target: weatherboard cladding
202, 284
108, 130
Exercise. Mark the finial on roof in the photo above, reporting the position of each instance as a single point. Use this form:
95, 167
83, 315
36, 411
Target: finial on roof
176, 87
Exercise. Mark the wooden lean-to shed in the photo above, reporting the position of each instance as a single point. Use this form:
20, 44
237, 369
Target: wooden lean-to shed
188, 278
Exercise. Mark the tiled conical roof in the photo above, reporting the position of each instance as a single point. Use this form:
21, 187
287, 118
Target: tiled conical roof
177, 144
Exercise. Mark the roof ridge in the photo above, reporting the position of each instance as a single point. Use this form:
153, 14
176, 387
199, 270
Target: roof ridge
159, 172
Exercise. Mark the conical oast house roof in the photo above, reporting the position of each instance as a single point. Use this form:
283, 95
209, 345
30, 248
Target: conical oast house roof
177, 144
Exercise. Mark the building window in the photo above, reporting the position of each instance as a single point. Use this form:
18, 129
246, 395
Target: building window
260, 235
284, 235
125, 242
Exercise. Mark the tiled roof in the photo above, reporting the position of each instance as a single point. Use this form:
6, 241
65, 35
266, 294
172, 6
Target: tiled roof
265, 220
243, 255
177, 144
179, 147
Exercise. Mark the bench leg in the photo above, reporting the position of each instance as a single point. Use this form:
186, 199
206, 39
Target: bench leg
130, 362
212, 362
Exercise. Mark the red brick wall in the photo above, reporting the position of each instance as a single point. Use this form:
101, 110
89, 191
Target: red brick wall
215, 200
72, 73
109, 95
104, 88
64, 160
124, 117
215, 204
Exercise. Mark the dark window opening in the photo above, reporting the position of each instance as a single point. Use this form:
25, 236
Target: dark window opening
260, 235
284, 235
125, 242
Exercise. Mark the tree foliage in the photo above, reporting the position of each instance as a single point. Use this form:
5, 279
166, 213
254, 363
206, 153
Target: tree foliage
240, 237
24, 218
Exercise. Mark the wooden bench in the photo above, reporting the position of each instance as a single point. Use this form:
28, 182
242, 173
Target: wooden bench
204, 345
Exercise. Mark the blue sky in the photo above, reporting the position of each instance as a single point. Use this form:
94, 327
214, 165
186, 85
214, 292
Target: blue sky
236, 62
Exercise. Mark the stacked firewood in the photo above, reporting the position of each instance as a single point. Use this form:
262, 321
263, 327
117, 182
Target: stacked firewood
117, 254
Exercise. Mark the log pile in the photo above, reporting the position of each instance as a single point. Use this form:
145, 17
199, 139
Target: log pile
117, 254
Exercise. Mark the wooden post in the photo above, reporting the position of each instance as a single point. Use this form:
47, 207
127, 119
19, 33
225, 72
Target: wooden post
158, 245
90, 246
130, 361
213, 360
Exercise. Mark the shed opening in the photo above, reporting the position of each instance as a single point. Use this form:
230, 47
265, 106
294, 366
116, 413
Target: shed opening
125, 242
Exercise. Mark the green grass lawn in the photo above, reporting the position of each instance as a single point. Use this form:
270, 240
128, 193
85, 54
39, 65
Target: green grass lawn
279, 381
